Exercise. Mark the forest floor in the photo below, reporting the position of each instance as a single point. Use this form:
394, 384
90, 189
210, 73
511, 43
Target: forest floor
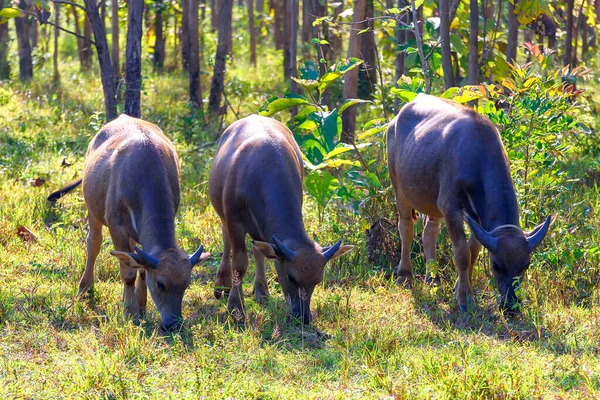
370, 338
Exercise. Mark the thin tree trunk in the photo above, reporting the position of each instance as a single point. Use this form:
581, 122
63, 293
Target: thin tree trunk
252, 30
277, 23
103, 13
86, 50
106, 71
351, 77
115, 40
335, 38
445, 38
56, 75
4, 38
513, 33
286, 12
293, 43
34, 28
306, 21
159, 43
25, 60
215, 6
569, 37
133, 58
185, 36
194, 56
202, 6
218, 80
80, 43
367, 73
400, 55
576, 24
473, 72
584, 40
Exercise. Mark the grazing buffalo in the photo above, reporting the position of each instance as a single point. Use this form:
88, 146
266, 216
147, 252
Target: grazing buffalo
256, 188
131, 184
448, 161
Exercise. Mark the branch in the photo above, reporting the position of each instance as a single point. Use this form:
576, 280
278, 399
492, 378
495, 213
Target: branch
69, 3
68, 31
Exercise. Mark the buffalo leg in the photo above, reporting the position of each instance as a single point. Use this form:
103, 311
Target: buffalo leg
475, 247
235, 304
261, 290
223, 281
431, 232
141, 292
94, 242
128, 275
462, 257
406, 229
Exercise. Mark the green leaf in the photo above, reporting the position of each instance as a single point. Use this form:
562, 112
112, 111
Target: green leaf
450, 93
373, 127
277, 104
308, 84
350, 102
321, 186
336, 71
10, 12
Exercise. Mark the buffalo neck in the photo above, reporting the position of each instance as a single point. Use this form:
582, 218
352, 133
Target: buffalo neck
498, 205
157, 222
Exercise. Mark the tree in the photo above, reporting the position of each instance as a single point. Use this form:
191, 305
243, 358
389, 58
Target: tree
184, 35
4, 41
194, 56
106, 69
86, 50
293, 45
218, 80
445, 45
159, 41
25, 60
367, 74
513, 32
351, 77
115, 39
569, 37
473, 71
56, 75
133, 58
400, 55
252, 31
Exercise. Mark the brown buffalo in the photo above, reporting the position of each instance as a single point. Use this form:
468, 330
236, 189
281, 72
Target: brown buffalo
256, 188
131, 184
448, 161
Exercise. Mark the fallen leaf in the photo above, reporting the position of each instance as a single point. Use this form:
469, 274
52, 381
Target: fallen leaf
37, 182
65, 163
26, 234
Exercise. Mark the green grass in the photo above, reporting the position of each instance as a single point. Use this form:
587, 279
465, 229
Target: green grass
370, 338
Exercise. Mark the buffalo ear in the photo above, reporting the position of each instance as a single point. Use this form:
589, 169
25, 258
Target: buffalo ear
130, 259
341, 251
267, 249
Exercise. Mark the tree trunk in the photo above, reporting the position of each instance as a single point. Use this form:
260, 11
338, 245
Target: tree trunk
79, 38
215, 7
576, 24
351, 77
584, 40
277, 23
445, 38
86, 50
335, 38
34, 29
367, 73
473, 70
185, 36
4, 38
293, 44
202, 6
115, 40
106, 71
194, 56
25, 60
286, 13
400, 55
513, 33
307, 20
218, 80
133, 58
159, 43
103, 13
569, 37
56, 75
252, 30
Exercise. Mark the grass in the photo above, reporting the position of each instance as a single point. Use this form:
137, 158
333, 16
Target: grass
370, 338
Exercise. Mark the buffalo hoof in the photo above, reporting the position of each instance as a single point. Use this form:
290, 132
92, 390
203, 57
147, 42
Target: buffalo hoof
433, 280
261, 294
221, 292
405, 280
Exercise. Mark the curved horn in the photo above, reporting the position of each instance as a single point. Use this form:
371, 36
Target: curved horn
195, 258
486, 240
331, 251
147, 259
282, 250
538, 233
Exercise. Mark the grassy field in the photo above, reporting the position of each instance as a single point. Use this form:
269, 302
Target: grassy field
370, 338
